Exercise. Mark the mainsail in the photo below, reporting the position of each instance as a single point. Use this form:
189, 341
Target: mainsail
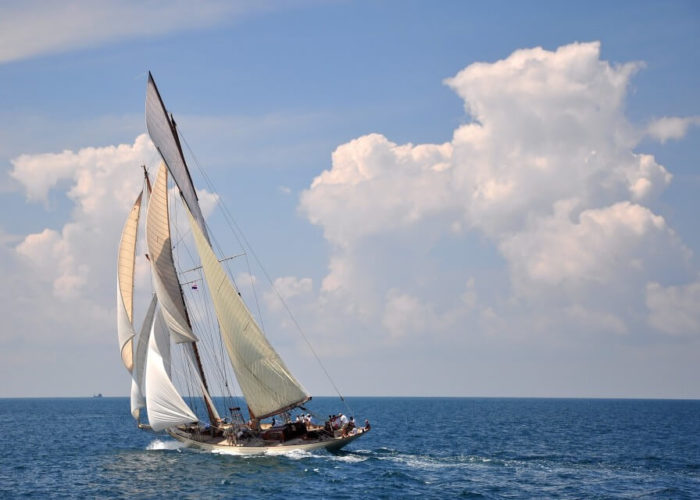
165, 280
125, 285
165, 406
162, 131
268, 386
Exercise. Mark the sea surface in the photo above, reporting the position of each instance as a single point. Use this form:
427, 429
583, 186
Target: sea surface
418, 447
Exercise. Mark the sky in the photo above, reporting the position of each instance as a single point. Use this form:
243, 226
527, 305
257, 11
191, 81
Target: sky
488, 199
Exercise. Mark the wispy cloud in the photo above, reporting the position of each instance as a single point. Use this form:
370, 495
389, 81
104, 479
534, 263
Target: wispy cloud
37, 27
671, 127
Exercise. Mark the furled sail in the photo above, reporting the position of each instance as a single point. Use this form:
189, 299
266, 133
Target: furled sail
125, 285
164, 405
267, 384
164, 136
165, 280
138, 399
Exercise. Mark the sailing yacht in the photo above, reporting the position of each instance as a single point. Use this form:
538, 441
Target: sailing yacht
237, 348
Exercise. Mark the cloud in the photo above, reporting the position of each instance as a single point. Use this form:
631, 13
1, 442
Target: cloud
674, 309
90, 172
545, 170
101, 188
596, 248
671, 127
34, 27
534, 222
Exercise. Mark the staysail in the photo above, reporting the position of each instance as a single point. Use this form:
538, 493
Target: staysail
125, 285
165, 280
164, 405
268, 386
138, 389
164, 136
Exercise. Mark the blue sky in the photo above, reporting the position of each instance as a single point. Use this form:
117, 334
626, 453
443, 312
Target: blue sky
457, 198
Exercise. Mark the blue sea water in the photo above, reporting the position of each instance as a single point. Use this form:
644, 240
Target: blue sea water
418, 447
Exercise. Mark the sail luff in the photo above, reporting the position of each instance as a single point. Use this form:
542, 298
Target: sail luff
267, 384
161, 129
125, 284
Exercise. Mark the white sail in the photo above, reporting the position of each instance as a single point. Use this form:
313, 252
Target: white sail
125, 284
164, 136
138, 399
164, 405
165, 280
267, 384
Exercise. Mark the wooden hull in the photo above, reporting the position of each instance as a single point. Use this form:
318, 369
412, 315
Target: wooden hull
223, 446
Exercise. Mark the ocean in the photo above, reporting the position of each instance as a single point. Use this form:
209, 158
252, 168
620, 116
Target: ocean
418, 447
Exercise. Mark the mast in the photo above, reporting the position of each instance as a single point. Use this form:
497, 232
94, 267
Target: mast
211, 410
148, 181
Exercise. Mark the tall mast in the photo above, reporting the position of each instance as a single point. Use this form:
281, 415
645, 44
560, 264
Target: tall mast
211, 411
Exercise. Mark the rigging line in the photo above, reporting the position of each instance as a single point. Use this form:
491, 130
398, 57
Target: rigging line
178, 373
207, 341
207, 337
228, 216
206, 328
232, 223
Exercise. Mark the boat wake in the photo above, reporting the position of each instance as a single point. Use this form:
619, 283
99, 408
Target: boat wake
157, 444
350, 458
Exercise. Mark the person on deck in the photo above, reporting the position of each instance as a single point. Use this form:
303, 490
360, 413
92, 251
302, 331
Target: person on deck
349, 428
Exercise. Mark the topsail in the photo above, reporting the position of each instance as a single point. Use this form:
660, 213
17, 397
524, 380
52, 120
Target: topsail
164, 136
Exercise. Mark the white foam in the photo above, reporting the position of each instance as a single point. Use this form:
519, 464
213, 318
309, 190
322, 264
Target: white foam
351, 459
293, 454
164, 445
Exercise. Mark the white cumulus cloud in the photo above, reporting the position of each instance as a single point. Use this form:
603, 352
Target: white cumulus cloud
102, 183
545, 170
